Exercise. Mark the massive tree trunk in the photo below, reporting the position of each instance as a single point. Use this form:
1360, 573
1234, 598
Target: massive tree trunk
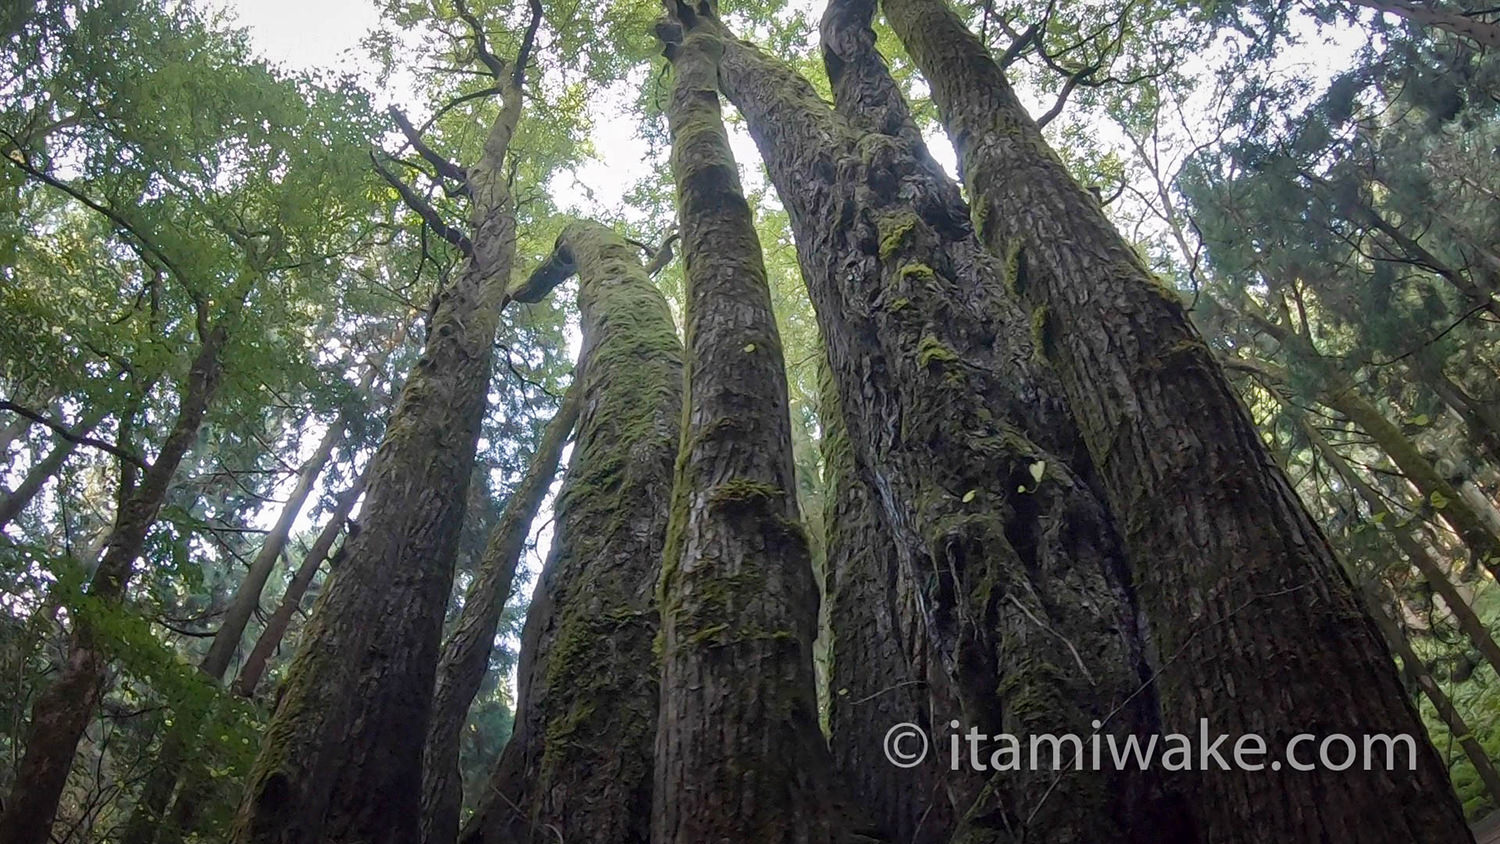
467, 651
342, 756
1254, 623
739, 756
884, 671
61, 713
578, 764
12, 503
270, 636
968, 447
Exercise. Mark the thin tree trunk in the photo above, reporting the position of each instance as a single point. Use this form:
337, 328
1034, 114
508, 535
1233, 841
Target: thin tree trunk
578, 764
1482, 419
1416, 673
1238, 586
246, 598
1019, 565
467, 651
62, 712
270, 637
739, 755
14, 502
1415, 550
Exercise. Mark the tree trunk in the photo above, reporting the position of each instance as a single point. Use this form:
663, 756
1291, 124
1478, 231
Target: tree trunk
342, 756
578, 764
61, 713
1415, 550
971, 451
270, 637
467, 651
1416, 673
14, 502
739, 755
884, 671
1254, 623
1482, 419
1452, 22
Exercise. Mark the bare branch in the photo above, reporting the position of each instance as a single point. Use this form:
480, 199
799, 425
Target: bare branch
495, 64
429, 215
70, 435
445, 168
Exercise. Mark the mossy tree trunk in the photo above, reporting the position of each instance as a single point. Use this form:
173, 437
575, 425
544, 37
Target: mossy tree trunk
61, 713
467, 651
342, 757
739, 755
1238, 586
578, 764
884, 671
980, 475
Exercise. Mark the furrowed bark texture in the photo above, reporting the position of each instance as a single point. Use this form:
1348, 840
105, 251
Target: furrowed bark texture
342, 757
466, 654
739, 755
269, 640
884, 671
61, 713
578, 765
1019, 566
1254, 623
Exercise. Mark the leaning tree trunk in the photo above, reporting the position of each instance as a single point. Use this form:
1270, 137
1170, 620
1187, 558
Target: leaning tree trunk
739, 755
342, 756
61, 713
970, 451
1416, 673
466, 655
276, 626
12, 503
1255, 625
1404, 536
578, 764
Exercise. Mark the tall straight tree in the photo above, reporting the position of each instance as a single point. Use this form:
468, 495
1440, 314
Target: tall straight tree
739, 757
578, 763
1255, 625
981, 476
342, 757
466, 654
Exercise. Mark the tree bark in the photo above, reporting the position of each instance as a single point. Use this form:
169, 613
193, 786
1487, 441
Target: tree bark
14, 502
270, 636
61, 713
970, 449
1416, 673
1454, 23
342, 757
1254, 623
884, 671
739, 755
578, 764
467, 651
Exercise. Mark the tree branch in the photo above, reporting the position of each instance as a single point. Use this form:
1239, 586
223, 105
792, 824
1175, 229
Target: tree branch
429, 215
68, 434
445, 168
